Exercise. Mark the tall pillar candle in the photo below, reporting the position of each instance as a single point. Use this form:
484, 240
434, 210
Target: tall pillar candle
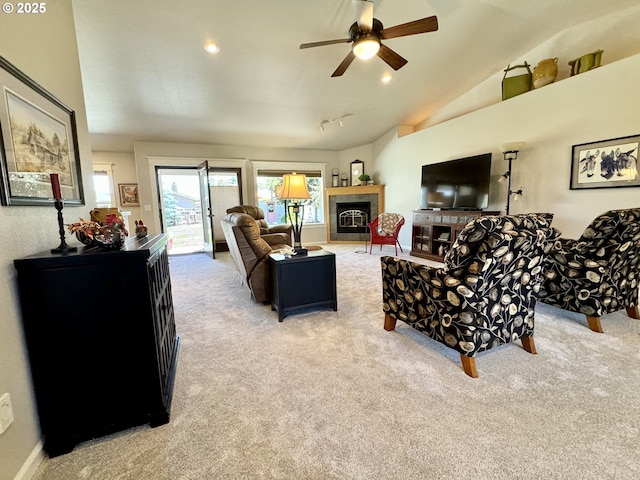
55, 186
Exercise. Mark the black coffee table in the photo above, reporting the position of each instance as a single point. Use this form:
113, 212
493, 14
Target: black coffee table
303, 282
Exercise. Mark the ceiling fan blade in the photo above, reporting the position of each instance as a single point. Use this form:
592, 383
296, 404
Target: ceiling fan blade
392, 59
344, 65
326, 42
424, 25
364, 14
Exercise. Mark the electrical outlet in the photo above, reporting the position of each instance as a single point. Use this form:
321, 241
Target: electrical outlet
6, 412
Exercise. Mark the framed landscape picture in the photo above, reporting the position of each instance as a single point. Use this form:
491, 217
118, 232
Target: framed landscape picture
38, 136
605, 164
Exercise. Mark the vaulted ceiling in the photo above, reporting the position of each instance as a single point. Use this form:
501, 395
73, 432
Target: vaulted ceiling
147, 77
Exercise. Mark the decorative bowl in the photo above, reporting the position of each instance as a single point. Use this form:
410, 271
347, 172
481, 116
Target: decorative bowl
110, 238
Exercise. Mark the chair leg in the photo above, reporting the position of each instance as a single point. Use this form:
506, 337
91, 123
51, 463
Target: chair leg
469, 365
594, 324
634, 312
529, 345
389, 322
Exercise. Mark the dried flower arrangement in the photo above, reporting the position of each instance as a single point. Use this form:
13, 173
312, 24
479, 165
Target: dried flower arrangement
90, 232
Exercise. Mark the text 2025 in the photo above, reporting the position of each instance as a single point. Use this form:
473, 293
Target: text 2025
31, 7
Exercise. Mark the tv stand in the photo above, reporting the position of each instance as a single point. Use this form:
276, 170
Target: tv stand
434, 231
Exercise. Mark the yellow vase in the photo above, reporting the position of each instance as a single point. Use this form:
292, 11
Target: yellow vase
545, 72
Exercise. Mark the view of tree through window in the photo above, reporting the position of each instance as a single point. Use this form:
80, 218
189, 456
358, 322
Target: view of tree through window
274, 207
222, 179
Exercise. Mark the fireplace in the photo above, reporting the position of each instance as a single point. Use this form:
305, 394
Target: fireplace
358, 206
353, 217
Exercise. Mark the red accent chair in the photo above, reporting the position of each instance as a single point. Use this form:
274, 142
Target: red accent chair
385, 229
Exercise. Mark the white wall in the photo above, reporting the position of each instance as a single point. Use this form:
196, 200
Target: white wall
123, 167
44, 47
617, 34
597, 105
364, 153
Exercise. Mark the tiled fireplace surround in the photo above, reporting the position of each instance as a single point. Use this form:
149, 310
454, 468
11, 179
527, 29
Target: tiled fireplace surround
369, 193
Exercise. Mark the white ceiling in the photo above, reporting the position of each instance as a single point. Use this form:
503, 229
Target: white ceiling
147, 77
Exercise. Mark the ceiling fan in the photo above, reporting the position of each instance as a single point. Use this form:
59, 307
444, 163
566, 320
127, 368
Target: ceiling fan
366, 35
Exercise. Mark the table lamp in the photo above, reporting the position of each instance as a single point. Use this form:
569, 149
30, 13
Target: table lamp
294, 187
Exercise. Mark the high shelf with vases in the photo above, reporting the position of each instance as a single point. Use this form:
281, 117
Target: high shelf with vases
100, 331
434, 231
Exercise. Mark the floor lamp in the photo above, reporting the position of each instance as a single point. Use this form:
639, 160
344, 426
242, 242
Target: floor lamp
510, 152
294, 187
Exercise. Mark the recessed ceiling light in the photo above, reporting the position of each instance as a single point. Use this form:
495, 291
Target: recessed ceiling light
386, 78
212, 47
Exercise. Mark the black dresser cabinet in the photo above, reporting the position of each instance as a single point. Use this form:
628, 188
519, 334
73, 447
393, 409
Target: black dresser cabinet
100, 331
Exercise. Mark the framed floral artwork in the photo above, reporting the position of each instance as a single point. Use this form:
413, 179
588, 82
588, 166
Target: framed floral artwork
129, 196
606, 163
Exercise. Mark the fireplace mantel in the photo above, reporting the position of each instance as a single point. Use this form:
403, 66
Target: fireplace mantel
358, 190
352, 194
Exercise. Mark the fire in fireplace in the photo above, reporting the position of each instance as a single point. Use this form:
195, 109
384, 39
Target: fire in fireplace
353, 217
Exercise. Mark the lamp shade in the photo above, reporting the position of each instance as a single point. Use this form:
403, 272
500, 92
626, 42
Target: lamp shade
511, 146
294, 187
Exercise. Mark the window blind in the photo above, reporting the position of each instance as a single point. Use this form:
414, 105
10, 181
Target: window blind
280, 173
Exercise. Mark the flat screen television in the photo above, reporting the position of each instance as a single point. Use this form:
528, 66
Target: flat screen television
461, 184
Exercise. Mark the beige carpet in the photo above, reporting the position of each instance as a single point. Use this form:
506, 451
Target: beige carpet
331, 395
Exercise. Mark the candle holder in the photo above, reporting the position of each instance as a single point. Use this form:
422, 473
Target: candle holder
63, 247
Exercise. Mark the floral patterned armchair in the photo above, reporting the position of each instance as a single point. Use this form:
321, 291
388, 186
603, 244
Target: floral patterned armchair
600, 272
485, 294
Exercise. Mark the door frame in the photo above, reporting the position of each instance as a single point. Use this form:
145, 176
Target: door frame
157, 169
147, 161
238, 172
206, 211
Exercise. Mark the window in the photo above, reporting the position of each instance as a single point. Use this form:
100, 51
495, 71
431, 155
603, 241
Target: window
268, 179
103, 184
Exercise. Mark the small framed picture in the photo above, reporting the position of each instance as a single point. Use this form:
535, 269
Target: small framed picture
129, 196
606, 164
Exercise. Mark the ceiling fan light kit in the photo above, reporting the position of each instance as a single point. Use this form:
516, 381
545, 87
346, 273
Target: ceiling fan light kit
366, 35
366, 47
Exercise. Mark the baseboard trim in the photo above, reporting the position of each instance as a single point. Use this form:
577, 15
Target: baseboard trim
32, 463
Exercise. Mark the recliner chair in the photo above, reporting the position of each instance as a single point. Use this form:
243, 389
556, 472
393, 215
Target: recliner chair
258, 214
250, 253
